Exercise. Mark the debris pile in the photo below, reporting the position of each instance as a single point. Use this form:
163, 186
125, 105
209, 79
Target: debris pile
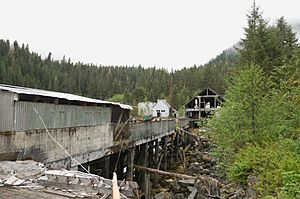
197, 162
18, 173
34, 176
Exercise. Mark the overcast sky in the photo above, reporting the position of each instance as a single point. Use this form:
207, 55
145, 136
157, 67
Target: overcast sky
161, 33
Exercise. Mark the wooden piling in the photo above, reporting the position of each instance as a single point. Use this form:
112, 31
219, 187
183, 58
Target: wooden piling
156, 161
165, 151
151, 161
176, 145
171, 151
144, 179
130, 162
106, 169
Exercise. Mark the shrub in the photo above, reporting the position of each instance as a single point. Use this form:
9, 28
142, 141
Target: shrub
276, 165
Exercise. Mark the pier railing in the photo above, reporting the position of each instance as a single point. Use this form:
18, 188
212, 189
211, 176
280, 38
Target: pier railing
151, 130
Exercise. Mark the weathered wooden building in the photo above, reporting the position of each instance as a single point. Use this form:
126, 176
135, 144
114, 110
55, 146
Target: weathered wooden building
202, 104
71, 119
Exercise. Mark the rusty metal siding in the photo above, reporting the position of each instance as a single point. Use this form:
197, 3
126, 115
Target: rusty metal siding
59, 116
6, 111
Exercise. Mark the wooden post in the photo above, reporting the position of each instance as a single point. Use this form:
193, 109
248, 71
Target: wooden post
106, 172
113, 159
147, 185
130, 161
171, 151
165, 150
156, 154
138, 160
121, 165
156, 161
151, 161
145, 154
183, 159
144, 181
176, 146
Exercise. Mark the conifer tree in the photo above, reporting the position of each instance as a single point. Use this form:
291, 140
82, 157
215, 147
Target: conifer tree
254, 47
287, 38
267, 46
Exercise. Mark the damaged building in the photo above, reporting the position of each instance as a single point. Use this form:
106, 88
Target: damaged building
201, 105
70, 118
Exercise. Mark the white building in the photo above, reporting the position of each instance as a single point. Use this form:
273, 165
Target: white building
161, 109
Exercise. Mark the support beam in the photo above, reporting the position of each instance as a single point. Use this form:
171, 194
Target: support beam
171, 151
145, 179
165, 151
147, 186
106, 169
113, 161
145, 154
151, 160
156, 153
176, 146
130, 161
156, 162
120, 166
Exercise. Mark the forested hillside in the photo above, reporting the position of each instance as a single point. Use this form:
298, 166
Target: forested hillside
20, 66
257, 131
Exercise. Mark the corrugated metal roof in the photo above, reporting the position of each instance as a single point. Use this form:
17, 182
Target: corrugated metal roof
59, 95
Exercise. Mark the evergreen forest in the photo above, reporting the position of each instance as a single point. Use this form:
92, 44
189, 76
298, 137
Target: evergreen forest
127, 84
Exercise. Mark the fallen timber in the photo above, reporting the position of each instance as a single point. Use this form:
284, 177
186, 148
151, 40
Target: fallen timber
170, 174
176, 175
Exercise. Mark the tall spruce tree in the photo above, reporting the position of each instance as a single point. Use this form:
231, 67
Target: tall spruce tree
264, 45
287, 38
255, 48
250, 43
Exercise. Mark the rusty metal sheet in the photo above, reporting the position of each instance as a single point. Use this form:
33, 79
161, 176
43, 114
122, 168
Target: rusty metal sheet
58, 116
6, 111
